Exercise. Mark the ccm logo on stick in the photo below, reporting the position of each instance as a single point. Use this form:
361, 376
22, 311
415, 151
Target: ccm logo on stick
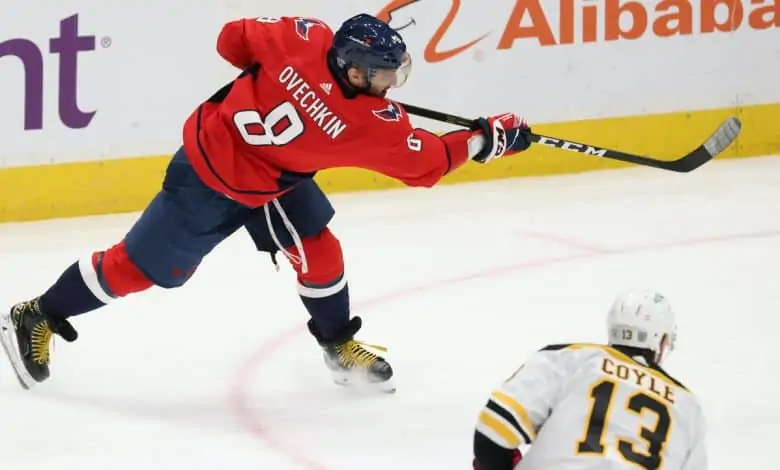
573, 146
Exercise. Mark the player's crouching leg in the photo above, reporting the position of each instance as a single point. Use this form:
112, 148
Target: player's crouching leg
324, 291
84, 286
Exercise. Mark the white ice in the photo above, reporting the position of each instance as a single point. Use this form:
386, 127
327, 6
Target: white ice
461, 283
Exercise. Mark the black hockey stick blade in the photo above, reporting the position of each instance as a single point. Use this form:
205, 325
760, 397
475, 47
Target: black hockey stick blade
723, 136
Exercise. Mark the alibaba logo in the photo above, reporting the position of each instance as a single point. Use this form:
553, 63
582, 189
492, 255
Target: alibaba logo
431, 53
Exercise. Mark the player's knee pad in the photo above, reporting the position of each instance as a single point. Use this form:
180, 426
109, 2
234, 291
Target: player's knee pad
324, 259
116, 274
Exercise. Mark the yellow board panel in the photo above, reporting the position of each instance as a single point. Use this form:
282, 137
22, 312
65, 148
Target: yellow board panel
126, 185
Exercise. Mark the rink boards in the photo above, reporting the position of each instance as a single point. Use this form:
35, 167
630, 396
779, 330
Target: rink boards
93, 105
127, 184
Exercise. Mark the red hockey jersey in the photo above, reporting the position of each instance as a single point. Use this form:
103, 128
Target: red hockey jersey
285, 118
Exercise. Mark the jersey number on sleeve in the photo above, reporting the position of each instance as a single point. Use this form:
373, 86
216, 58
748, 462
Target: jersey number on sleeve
279, 126
602, 394
414, 143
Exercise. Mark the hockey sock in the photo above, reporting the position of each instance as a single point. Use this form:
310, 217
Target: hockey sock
91, 283
323, 288
327, 304
70, 295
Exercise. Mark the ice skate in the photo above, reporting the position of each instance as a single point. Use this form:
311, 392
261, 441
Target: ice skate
26, 334
351, 363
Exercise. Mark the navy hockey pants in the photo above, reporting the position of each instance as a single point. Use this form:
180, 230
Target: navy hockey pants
186, 220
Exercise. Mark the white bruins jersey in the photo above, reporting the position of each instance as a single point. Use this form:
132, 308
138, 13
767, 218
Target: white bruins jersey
591, 407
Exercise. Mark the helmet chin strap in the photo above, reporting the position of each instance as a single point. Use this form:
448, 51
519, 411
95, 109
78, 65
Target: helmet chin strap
366, 90
663, 349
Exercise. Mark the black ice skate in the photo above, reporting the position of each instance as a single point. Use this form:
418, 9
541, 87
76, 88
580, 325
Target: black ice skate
25, 333
351, 363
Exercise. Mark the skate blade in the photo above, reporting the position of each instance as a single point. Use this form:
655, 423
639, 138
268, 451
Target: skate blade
8, 340
361, 382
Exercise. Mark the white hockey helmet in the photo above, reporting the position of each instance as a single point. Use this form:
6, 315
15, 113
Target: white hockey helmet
643, 319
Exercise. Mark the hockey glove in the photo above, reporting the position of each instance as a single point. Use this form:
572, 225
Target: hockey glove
516, 457
505, 134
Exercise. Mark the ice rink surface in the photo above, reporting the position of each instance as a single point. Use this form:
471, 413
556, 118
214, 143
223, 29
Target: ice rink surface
461, 283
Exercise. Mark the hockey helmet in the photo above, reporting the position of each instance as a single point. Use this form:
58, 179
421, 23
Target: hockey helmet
643, 319
373, 47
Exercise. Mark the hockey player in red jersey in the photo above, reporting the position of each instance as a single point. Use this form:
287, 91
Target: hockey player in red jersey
306, 99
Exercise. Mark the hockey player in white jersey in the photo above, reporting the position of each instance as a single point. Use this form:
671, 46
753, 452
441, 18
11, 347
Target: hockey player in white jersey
597, 407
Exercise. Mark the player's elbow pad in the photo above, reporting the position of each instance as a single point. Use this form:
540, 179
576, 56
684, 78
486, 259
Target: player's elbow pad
462, 146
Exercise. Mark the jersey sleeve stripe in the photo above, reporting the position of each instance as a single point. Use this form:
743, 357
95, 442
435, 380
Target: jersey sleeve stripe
517, 410
509, 418
498, 430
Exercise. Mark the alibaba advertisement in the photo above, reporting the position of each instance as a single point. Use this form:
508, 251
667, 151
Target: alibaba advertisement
570, 22
564, 60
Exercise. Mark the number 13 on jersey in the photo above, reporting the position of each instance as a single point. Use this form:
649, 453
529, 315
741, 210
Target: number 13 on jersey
603, 411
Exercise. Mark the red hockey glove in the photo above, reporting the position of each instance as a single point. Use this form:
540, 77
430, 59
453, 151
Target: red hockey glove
505, 134
516, 458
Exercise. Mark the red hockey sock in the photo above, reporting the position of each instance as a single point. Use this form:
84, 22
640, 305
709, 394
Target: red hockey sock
93, 282
118, 275
323, 288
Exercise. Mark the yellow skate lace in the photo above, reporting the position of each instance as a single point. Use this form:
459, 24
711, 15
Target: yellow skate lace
353, 353
40, 337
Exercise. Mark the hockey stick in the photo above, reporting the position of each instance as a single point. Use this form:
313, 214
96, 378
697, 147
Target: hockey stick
723, 136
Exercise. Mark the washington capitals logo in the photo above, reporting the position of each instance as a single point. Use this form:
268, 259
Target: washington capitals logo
303, 25
392, 113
